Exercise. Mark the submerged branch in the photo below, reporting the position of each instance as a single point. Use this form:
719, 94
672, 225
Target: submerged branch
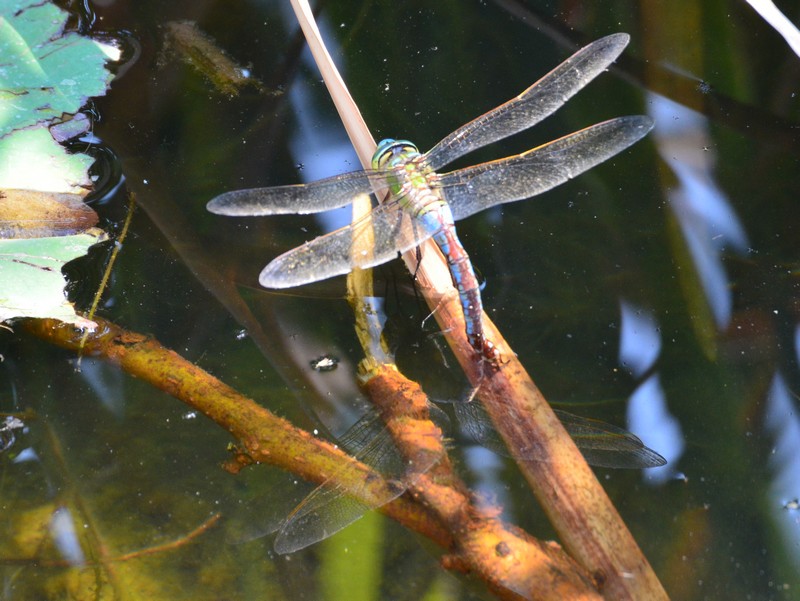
511, 562
105, 561
586, 520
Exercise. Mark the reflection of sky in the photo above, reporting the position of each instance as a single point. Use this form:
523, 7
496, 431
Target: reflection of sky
319, 145
783, 425
65, 537
706, 218
648, 415
486, 470
107, 382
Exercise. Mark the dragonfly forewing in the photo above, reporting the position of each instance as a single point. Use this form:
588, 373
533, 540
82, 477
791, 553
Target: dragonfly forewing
322, 195
600, 443
606, 445
536, 103
329, 508
377, 238
473, 189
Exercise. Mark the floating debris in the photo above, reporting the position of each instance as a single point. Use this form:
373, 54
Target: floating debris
7, 427
201, 52
324, 363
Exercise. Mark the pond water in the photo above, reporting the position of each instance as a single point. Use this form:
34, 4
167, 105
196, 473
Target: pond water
658, 292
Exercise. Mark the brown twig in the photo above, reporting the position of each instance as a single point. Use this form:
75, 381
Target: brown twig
169, 546
107, 271
576, 504
515, 565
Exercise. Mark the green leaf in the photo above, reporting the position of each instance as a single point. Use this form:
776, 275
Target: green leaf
31, 284
32, 160
46, 75
44, 72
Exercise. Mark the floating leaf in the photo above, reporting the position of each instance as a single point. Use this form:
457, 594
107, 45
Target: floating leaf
67, 130
31, 283
46, 75
45, 72
31, 160
34, 214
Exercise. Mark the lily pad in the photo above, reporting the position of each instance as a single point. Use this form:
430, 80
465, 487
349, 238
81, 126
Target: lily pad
31, 159
46, 76
34, 214
44, 72
31, 283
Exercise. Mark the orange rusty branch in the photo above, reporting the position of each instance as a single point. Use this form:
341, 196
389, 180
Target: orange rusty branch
512, 563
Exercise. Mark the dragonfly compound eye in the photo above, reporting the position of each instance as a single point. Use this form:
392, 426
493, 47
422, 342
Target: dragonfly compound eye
391, 153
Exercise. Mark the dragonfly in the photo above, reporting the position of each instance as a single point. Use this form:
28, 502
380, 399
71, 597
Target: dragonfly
425, 204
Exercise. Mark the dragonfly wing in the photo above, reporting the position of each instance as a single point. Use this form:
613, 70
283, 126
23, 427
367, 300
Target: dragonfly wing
321, 195
605, 445
601, 444
370, 442
474, 189
534, 104
477, 425
379, 237
328, 508
321, 514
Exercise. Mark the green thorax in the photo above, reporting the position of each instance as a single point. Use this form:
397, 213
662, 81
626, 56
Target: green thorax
400, 159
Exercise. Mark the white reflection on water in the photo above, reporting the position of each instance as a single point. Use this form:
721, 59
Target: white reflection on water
650, 419
783, 425
648, 415
108, 383
639, 338
707, 221
319, 142
62, 529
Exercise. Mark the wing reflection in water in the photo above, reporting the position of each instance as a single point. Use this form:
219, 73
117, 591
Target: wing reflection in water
329, 508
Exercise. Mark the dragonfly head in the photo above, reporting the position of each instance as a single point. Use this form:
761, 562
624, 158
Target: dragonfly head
391, 153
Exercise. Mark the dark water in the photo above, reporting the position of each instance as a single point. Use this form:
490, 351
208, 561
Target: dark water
659, 291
